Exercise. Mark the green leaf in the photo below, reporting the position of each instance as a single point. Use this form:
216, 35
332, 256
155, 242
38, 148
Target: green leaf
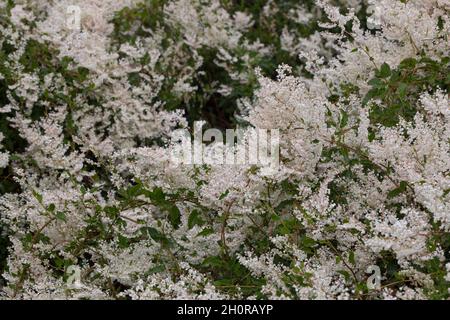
123, 242
195, 219
344, 152
111, 212
214, 261
351, 257
308, 242
408, 63
373, 93
400, 189
156, 269
376, 82
134, 190
223, 195
61, 216
174, 216
402, 90
205, 232
275, 217
38, 196
384, 72
344, 119
155, 234
157, 196
345, 273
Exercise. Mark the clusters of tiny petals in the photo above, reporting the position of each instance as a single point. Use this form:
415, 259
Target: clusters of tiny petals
323, 217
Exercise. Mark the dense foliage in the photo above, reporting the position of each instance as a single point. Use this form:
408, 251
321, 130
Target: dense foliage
359, 90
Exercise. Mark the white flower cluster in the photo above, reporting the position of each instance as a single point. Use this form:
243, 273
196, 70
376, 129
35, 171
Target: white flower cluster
358, 184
